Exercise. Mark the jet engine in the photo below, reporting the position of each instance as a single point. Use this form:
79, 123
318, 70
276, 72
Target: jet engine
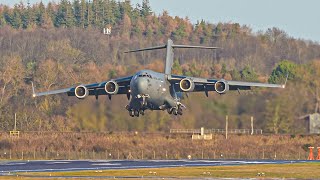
221, 86
111, 87
187, 85
81, 92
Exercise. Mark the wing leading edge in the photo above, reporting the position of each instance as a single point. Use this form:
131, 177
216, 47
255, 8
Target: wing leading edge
94, 89
203, 84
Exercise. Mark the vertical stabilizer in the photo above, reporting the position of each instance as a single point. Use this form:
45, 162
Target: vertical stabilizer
169, 58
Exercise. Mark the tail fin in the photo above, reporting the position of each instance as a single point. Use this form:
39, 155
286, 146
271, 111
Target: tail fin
169, 57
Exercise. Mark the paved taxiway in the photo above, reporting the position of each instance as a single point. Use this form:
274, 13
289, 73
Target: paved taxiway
75, 165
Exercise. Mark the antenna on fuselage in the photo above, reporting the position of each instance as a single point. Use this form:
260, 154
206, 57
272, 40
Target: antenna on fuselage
169, 56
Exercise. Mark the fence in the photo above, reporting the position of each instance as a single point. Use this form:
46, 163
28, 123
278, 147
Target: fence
148, 155
216, 131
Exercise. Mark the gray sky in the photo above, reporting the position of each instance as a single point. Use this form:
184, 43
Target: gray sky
299, 19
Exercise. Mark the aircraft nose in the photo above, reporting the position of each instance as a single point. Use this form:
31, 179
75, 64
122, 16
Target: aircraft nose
141, 84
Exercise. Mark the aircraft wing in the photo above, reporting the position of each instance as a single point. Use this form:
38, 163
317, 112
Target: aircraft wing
203, 84
94, 89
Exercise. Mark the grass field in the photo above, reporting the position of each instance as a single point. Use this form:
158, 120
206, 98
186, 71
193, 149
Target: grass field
300, 170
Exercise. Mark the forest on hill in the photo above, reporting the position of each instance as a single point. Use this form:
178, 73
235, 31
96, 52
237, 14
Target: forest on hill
58, 45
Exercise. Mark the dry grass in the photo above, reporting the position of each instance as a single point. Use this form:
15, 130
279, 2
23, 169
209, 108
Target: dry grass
114, 146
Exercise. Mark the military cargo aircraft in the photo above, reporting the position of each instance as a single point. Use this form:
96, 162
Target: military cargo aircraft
149, 90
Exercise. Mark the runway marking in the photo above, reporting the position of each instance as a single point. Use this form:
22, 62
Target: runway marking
12, 164
58, 162
104, 161
106, 164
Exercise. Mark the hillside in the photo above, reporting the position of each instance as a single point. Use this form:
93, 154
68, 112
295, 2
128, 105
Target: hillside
58, 45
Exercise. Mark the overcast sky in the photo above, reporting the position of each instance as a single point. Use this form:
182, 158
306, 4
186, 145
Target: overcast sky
298, 18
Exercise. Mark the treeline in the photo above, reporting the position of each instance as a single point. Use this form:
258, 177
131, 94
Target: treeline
138, 26
57, 45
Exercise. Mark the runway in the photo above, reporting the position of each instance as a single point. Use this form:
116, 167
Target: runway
79, 165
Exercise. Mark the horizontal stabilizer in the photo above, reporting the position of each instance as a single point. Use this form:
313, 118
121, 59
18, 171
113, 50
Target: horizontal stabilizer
198, 47
173, 46
147, 49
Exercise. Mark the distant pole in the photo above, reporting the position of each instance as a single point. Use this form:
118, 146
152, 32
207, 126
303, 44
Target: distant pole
227, 126
251, 125
15, 121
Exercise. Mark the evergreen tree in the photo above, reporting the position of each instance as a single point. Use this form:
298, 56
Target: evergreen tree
69, 15
77, 13
83, 13
2, 20
40, 14
248, 74
64, 15
6, 15
283, 69
116, 11
50, 12
145, 8
60, 16
125, 8
180, 32
100, 14
95, 12
15, 20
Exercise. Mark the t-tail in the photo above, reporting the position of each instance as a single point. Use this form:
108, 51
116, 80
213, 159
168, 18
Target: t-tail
169, 57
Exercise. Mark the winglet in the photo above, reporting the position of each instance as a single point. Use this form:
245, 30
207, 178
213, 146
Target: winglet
34, 94
285, 82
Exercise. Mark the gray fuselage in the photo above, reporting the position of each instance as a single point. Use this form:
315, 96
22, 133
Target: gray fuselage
151, 90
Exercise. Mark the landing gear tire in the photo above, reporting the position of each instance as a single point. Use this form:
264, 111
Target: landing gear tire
136, 113
169, 110
180, 111
142, 112
175, 112
131, 113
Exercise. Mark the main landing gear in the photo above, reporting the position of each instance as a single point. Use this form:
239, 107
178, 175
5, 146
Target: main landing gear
176, 110
136, 113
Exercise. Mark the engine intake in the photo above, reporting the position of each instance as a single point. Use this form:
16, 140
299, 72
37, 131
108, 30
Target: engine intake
81, 92
111, 87
221, 86
187, 85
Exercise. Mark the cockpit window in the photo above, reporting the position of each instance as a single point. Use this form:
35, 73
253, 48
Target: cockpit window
145, 75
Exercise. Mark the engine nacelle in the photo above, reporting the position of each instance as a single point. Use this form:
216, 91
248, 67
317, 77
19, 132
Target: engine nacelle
187, 85
221, 86
81, 92
111, 87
